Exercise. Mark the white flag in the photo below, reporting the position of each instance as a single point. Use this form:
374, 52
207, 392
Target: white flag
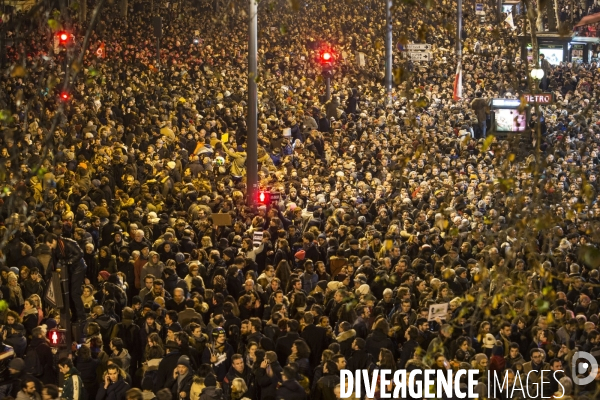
509, 20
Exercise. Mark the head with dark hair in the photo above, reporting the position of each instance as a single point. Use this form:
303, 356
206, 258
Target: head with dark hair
118, 344
360, 343
288, 373
65, 362
302, 349
173, 316
293, 325
51, 390
330, 367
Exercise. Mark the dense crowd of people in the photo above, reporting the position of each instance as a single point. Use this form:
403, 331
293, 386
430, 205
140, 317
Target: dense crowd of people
387, 206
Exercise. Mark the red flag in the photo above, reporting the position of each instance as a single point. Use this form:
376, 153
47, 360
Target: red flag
457, 95
101, 53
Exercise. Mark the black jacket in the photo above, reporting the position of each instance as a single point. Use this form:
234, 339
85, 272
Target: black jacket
186, 386
165, 369
67, 252
377, 341
268, 384
283, 347
408, 350
325, 387
212, 393
46, 358
316, 338
291, 390
115, 391
246, 376
360, 359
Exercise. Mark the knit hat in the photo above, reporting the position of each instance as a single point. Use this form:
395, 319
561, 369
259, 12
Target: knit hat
334, 285
480, 357
229, 252
363, 290
322, 285
104, 274
179, 258
210, 380
17, 363
185, 361
300, 255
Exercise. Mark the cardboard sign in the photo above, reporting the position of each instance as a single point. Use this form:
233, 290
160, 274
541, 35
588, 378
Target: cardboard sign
221, 219
437, 310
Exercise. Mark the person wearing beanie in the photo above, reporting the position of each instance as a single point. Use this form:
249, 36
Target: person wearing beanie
183, 378
181, 267
211, 391
104, 275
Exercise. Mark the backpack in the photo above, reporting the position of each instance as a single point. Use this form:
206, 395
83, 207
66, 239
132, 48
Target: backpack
33, 365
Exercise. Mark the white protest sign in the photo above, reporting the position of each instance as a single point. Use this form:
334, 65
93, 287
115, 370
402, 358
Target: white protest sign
437, 310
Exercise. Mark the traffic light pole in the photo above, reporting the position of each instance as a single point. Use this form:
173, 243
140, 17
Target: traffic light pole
459, 30
327, 87
388, 50
65, 316
252, 137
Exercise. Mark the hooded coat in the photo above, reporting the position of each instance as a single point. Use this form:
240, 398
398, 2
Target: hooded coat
151, 267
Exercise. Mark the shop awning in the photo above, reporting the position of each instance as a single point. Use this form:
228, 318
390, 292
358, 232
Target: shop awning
588, 20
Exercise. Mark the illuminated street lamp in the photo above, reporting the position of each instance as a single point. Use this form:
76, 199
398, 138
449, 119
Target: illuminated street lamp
537, 74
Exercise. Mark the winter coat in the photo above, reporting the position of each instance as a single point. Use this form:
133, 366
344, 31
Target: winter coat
291, 390
150, 267
46, 358
165, 370
345, 340
115, 391
212, 393
316, 338
377, 341
73, 385
268, 384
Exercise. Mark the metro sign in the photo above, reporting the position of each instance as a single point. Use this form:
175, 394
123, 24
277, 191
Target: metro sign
539, 98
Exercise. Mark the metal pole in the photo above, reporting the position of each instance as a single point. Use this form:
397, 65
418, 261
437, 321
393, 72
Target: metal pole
499, 13
459, 30
388, 50
252, 138
66, 314
327, 87
158, 50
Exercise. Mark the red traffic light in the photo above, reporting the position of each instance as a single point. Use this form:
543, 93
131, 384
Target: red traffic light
326, 57
264, 197
64, 37
57, 337
64, 96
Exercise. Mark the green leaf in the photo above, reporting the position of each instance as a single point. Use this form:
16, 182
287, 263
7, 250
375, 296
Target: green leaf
590, 256
487, 142
53, 24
